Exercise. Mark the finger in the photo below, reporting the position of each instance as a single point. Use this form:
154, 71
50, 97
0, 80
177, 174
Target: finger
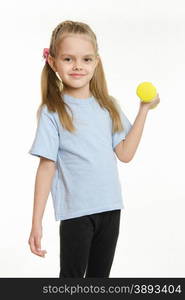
38, 243
33, 247
38, 247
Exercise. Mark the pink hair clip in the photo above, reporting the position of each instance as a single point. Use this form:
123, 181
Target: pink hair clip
46, 53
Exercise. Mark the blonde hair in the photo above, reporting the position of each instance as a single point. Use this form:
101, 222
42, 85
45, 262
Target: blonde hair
50, 92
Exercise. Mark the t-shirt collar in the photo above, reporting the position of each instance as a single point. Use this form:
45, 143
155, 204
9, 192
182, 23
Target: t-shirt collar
81, 101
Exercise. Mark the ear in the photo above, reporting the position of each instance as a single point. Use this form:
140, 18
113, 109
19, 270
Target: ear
51, 62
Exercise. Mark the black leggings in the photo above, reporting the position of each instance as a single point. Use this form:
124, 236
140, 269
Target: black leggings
87, 244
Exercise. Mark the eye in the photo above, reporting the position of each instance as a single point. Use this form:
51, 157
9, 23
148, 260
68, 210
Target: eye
89, 59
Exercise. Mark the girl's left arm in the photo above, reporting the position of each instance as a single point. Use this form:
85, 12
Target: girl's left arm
127, 148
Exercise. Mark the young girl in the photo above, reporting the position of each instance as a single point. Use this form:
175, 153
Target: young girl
81, 129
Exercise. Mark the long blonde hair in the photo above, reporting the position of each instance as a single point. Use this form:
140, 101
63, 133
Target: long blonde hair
50, 92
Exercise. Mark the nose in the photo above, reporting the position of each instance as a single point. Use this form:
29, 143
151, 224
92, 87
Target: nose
77, 65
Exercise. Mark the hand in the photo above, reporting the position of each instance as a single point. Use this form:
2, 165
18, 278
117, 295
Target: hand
151, 104
35, 241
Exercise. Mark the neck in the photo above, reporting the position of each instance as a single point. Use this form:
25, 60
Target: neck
77, 93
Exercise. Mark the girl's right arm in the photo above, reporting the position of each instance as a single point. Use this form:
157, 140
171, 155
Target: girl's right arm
43, 181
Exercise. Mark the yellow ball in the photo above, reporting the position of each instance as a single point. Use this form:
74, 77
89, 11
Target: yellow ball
146, 91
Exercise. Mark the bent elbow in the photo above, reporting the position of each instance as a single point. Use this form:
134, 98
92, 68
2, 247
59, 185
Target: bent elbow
126, 160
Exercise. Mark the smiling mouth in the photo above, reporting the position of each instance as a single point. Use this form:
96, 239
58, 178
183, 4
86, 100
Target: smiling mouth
77, 74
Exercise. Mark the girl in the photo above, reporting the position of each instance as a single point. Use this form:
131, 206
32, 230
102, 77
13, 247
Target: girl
81, 129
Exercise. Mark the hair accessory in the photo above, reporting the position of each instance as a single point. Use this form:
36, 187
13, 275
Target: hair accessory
46, 53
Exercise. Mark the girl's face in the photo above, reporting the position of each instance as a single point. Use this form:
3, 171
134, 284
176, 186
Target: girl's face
75, 56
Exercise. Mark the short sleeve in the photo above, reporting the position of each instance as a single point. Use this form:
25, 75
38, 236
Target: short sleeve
117, 137
46, 141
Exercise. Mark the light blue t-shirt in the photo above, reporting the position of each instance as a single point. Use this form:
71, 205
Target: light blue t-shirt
86, 180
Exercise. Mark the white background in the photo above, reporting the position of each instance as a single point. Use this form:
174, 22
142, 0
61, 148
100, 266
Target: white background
139, 40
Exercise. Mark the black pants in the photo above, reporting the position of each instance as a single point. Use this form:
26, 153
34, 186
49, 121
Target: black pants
87, 244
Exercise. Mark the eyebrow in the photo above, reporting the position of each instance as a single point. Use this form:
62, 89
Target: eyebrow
64, 54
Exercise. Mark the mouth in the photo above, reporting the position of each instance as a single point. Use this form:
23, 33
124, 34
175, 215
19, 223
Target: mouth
76, 75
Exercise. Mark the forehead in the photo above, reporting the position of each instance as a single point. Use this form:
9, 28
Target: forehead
76, 44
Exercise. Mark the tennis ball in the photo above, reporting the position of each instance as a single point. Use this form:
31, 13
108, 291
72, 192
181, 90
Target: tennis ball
146, 91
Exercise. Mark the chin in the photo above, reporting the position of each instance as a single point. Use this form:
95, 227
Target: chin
77, 85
